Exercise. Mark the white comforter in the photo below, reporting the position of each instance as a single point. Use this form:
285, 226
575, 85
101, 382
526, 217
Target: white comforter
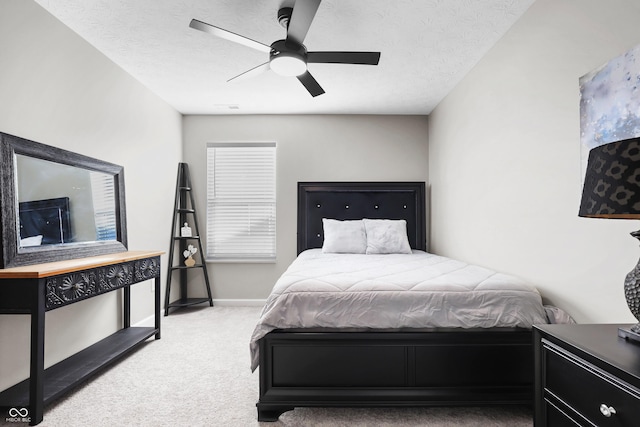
418, 290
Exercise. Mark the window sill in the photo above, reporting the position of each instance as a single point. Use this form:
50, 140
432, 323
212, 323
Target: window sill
241, 260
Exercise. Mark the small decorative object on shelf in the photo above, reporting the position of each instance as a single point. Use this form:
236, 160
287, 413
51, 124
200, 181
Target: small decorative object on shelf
188, 255
185, 231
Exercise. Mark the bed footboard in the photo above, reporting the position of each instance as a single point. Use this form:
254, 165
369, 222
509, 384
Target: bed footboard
440, 367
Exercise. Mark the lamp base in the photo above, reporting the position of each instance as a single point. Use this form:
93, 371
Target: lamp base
632, 295
629, 334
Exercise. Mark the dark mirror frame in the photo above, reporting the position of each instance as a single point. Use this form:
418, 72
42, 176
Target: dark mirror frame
12, 255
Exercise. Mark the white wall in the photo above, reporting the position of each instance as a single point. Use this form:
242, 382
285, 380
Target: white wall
505, 160
309, 148
58, 90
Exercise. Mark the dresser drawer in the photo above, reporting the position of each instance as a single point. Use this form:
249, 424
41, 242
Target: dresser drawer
585, 388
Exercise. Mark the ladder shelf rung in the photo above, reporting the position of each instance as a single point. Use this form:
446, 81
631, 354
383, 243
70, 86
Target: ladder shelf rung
187, 302
184, 267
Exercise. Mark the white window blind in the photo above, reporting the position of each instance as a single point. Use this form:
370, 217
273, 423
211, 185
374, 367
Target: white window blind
241, 201
104, 205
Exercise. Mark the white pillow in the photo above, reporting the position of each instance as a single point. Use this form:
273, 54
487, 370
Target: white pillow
344, 236
386, 236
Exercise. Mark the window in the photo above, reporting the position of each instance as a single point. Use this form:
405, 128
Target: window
104, 205
241, 201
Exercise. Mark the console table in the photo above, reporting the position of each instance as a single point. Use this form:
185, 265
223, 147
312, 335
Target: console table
35, 289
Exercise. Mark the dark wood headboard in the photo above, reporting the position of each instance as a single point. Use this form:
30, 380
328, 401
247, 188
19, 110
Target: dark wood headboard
356, 200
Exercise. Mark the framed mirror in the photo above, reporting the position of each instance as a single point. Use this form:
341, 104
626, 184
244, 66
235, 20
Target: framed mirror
58, 205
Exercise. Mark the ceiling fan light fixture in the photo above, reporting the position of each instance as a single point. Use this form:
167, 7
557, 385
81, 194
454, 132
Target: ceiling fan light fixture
287, 64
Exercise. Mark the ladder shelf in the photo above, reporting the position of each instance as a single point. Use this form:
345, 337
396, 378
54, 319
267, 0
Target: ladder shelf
185, 213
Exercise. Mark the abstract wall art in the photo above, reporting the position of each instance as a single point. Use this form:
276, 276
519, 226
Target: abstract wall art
610, 103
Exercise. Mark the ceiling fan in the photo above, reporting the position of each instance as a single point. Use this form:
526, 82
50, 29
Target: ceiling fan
289, 57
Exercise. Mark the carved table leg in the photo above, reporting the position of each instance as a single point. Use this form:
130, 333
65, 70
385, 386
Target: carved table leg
36, 384
157, 305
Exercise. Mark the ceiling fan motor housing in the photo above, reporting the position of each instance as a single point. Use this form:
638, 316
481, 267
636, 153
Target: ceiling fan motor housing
284, 15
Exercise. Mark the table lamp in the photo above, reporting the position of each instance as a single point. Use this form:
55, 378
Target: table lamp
612, 190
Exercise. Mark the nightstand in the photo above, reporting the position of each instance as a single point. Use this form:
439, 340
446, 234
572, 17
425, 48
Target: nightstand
585, 375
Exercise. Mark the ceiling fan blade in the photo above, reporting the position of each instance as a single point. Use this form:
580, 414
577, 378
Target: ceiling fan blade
228, 35
365, 58
311, 84
301, 17
251, 73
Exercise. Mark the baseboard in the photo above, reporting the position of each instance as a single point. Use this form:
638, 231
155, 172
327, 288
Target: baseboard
147, 321
239, 302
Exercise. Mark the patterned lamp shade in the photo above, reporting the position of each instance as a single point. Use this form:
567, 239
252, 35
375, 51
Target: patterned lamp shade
612, 182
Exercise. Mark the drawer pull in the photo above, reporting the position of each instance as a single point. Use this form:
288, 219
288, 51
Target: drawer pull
607, 411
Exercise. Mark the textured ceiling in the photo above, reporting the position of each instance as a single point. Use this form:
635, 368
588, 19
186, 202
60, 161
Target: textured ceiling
427, 47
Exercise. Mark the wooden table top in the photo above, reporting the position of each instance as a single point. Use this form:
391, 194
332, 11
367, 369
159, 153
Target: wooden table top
37, 271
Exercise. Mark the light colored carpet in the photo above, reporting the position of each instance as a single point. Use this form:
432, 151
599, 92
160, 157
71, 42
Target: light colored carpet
198, 375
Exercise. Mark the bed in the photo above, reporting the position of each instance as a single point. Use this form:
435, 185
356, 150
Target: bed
305, 361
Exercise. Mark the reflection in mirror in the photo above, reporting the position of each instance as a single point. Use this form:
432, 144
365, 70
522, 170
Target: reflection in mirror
59, 204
